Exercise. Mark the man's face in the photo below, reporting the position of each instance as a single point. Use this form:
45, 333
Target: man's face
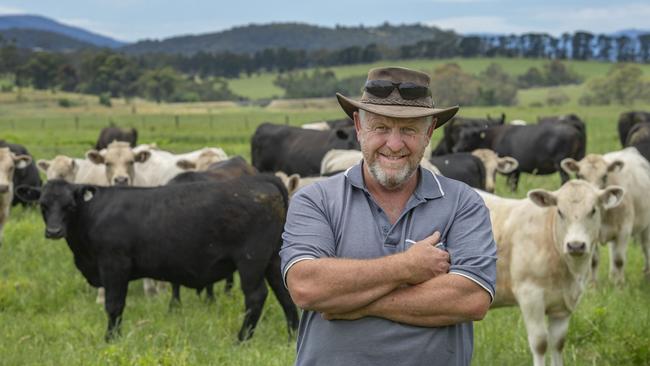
392, 147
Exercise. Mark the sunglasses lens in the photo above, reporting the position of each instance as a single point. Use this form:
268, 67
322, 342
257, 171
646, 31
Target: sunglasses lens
380, 88
410, 91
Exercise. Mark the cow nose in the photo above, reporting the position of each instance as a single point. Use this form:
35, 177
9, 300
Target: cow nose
576, 247
53, 232
4, 188
121, 181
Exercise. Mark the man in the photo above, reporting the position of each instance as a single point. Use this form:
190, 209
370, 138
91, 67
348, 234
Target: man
390, 263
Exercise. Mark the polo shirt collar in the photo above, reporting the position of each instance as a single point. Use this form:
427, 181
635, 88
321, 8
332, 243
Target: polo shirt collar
428, 186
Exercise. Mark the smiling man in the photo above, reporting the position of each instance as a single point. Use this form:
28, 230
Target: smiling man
390, 263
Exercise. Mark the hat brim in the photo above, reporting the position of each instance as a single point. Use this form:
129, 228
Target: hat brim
397, 111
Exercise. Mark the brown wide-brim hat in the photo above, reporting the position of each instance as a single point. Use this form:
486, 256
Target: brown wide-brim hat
394, 105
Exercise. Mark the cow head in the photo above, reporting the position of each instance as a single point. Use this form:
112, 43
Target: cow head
471, 139
61, 167
343, 138
119, 159
494, 164
9, 162
207, 157
577, 209
593, 168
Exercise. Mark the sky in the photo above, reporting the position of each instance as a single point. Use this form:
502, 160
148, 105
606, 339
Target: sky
133, 20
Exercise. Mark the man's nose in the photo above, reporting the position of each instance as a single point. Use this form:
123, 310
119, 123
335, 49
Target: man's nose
395, 140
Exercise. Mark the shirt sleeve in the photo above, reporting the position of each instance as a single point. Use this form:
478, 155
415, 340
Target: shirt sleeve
471, 244
307, 231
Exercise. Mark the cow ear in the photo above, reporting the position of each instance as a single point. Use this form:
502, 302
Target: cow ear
27, 193
542, 198
43, 165
142, 156
22, 161
341, 134
611, 197
293, 183
95, 157
186, 164
507, 165
569, 165
615, 166
86, 193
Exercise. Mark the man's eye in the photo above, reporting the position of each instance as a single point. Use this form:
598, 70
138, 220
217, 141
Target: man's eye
409, 131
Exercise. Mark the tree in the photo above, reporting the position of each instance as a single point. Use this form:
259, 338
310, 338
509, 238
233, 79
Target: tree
496, 87
623, 84
451, 86
159, 84
41, 70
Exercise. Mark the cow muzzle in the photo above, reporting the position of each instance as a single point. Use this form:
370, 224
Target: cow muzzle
576, 248
55, 232
121, 181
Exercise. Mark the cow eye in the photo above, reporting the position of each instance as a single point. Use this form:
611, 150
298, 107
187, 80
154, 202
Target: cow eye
560, 213
109, 164
605, 180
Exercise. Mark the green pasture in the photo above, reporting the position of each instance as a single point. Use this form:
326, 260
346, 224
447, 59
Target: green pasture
261, 85
48, 314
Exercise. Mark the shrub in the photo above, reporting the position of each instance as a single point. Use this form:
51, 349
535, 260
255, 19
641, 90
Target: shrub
105, 99
556, 97
65, 103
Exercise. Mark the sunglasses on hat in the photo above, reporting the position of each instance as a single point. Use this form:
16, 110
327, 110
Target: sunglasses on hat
408, 90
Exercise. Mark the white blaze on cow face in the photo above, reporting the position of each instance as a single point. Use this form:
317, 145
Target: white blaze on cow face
578, 208
593, 168
8, 164
493, 164
120, 160
61, 167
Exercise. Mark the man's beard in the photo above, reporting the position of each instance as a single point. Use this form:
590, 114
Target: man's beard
391, 181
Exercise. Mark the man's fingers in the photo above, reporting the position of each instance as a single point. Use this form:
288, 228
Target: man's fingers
433, 238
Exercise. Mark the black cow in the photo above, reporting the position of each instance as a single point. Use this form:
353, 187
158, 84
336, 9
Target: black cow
571, 120
638, 133
627, 120
192, 234
644, 148
297, 150
112, 133
23, 177
539, 149
456, 125
463, 166
340, 123
220, 171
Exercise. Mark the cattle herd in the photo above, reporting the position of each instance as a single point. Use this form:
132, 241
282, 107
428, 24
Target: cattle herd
130, 211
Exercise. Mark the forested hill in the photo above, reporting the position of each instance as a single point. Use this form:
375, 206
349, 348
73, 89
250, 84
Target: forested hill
293, 36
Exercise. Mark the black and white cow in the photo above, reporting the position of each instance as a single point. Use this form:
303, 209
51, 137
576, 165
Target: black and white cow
27, 176
297, 150
539, 149
191, 234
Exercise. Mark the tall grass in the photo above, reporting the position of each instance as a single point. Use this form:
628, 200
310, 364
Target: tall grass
48, 314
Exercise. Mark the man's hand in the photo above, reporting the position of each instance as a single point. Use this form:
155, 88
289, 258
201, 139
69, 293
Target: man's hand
425, 261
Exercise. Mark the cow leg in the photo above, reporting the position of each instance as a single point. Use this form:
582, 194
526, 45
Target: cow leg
149, 286
513, 180
557, 331
254, 288
617, 253
116, 290
175, 301
101, 296
274, 278
209, 292
229, 283
531, 303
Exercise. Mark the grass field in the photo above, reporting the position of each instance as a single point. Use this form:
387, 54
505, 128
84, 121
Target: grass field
48, 315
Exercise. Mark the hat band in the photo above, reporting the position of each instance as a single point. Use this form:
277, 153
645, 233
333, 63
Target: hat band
395, 99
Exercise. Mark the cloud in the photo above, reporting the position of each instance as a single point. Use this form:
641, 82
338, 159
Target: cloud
603, 19
478, 24
7, 10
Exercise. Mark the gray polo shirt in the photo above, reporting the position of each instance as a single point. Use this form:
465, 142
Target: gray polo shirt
337, 217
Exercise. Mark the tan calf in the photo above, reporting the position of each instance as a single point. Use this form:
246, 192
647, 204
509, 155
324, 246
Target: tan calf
119, 160
628, 169
493, 164
9, 162
72, 170
201, 163
544, 246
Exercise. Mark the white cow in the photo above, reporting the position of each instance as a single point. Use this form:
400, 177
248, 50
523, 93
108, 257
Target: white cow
337, 160
201, 163
320, 126
80, 171
493, 164
544, 246
630, 170
9, 162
